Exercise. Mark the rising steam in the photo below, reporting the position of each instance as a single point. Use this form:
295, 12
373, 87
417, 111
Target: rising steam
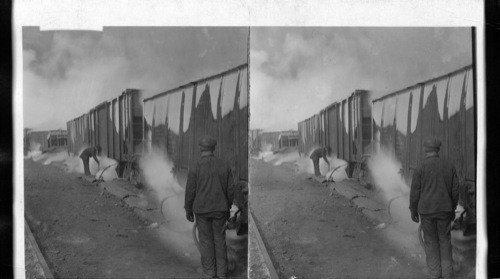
385, 171
157, 171
168, 192
303, 164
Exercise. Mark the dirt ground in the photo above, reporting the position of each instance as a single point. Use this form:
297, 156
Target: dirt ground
310, 234
85, 234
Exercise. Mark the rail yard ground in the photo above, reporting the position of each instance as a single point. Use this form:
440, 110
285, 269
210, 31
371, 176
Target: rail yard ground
312, 230
87, 231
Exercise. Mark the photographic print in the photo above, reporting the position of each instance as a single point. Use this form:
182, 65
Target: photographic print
135, 145
356, 134
249, 139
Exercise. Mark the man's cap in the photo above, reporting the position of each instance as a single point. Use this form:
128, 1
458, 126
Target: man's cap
207, 142
432, 144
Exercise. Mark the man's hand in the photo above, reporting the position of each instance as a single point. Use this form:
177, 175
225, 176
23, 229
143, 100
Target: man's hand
190, 216
414, 217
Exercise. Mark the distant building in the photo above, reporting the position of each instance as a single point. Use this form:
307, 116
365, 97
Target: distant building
43, 140
273, 141
288, 139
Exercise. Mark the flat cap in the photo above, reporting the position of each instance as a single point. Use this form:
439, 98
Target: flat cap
207, 142
432, 144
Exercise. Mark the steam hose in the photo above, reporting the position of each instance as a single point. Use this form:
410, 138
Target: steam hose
161, 204
389, 205
335, 170
421, 236
420, 230
195, 237
100, 176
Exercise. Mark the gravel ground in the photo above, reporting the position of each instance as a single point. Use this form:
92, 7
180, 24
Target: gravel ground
84, 233
311, 234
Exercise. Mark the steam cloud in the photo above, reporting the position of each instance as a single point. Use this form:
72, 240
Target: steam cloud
304, 164
385, 171
156, 168
157, 173
65, 73
295, 72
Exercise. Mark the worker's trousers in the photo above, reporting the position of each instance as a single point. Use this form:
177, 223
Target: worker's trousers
437, 240
212, 235
316, 167
86, 168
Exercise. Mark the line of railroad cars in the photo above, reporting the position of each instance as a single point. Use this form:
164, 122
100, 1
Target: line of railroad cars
173, 121
115, 125
398, 123
344, 126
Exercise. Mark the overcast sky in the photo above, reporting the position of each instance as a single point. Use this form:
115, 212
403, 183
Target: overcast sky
66, 73
296, 72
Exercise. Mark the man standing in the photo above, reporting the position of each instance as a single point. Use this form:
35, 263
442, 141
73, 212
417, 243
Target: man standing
86, 154
209, 196
316, 155
434, 196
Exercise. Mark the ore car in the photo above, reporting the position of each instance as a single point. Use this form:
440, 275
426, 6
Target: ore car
441, 108
217, 106
398, 123
344, 126
115, 125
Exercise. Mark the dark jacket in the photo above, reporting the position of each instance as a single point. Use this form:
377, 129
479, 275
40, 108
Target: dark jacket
90, 152
434, 187
319, 153
210, 186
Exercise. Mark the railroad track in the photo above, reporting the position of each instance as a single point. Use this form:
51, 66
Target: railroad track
263, 261
35, 266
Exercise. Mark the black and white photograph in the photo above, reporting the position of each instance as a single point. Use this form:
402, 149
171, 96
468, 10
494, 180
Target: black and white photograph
356, 133
249, 139
136, 152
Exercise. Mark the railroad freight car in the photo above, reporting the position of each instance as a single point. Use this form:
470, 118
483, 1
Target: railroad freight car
254, 141
441, 108
309, 134
115, 125
175, 120
344, 126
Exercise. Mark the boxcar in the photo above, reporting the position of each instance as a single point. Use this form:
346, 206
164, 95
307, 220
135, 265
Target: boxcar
115, 125
441, 108
309, 134
344, 126
254, 141
217, 106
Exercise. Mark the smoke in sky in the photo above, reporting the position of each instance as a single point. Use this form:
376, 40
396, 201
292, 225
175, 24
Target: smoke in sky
296, 72
66, 73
